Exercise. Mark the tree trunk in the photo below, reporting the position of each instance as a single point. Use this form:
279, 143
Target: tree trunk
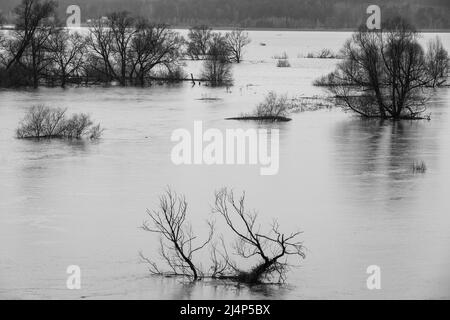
123, 73
63, 79
188, 261
257, 273
35, 77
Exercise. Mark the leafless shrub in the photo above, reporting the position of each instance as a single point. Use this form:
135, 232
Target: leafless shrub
199, 41
173, 73
77, 126
41, 121
120, 48
95, 132
271, 249
67, 53
33, 26
283, 63
419, 167
437, 62
274, 108
45, 122
383, 74
236, 41
274, 105
155, 46
283, 56
323, 54
177, 246
222, 267
217, 68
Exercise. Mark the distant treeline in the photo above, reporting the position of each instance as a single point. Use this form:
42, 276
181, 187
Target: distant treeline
313, 14
119, 48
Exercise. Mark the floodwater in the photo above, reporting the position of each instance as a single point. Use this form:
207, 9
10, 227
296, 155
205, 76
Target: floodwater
346, 183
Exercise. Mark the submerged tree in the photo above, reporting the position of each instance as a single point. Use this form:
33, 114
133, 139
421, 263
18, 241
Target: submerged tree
202, 39
273, 106
236, 41
177, 246
32, 15
24, 52
438, 63
199, 38
217, 67
270, 250
38, 58
46, 122
67, 52
118, 48
101, 50
125, 49
122, 28
153, 45
384, 73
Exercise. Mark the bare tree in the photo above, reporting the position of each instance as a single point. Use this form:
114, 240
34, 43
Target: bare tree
46, 122
24, 52
222, 267
272, 248
153, 45
122, 31
131, 48
217, 67
177, 246
31, 16
3, 53
273, 106
34, 123
237, 40
384, 73
77, 126
67, 52
118, 47
438, 63
36, 58
199, 40
100, 46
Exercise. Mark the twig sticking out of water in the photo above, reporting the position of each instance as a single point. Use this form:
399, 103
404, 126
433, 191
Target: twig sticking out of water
268, 250
419, 167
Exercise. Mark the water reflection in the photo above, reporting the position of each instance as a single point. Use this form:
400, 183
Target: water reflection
381, 153
221, 289
184, 290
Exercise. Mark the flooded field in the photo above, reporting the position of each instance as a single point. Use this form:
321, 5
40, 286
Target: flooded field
346, 183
